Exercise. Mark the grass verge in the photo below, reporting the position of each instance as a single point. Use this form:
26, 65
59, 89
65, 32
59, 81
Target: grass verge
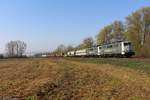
142, 65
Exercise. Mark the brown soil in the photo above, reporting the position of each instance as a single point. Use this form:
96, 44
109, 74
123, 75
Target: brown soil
59, 79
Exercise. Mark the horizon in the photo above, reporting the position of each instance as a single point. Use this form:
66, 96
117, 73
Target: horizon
44, 25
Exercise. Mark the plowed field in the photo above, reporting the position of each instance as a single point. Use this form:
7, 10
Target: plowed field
62, 79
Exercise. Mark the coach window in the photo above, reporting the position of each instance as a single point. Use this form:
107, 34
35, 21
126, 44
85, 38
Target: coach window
109, 46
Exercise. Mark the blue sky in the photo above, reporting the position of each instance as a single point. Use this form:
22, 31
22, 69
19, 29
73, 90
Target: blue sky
44, 24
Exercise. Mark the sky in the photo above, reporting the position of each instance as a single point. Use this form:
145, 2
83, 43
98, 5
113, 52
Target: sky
45, 24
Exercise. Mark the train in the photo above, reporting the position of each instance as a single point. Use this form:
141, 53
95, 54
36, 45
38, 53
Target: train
114, 49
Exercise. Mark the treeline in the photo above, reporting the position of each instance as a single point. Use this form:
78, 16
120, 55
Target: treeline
62, 50
136, 29
14, 49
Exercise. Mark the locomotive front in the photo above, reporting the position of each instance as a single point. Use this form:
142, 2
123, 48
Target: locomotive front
127, 49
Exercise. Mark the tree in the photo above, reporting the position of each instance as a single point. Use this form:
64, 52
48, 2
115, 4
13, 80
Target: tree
138, 30
68, 48
104, 36
86, 43
60, 50
118, 30
111, 33
15, 48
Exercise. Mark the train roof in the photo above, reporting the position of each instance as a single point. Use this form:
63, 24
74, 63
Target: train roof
99, 45
112, 43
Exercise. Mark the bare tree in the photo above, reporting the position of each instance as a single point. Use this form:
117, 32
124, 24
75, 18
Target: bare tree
15, 48
60, 50
21, 47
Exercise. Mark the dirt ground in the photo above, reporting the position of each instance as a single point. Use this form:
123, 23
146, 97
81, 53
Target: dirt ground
60, 79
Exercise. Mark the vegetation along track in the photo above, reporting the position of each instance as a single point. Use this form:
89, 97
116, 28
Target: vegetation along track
62, 79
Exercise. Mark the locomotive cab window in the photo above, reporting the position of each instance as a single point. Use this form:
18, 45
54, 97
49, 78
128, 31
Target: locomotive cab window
126, 44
